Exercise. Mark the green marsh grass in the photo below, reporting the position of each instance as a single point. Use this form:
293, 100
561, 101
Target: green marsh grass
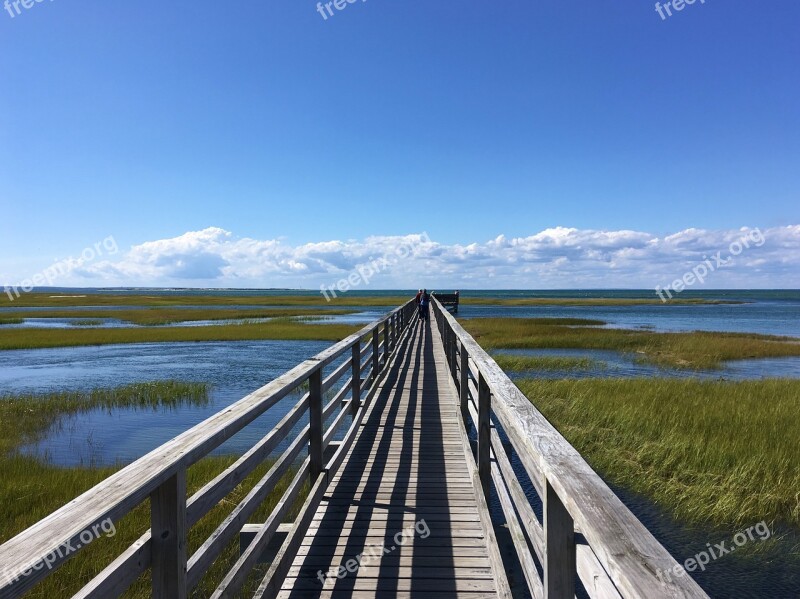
590, 301
11, 320
512, 363
288, 299
147, 316
695, 350
280, 329
712, 452
24, 417
166, 301
31, 488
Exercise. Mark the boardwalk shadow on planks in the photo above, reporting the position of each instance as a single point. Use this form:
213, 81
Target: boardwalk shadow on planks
406, 472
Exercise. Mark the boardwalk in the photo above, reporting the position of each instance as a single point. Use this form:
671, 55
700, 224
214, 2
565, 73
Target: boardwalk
397, 508
408, 470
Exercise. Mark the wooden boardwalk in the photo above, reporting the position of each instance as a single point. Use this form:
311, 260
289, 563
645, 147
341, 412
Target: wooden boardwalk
397, 508
410, 472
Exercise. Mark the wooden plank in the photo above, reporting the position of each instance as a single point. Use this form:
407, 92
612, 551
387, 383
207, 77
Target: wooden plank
213, 492
452, 530
381, 500
503, 588
376, 361
559, 555
315, 449
358, 594
402, 519
463, 387
168, 547
343, 551
204, 557
468, 567
412, 570
535, 587
591, 573
378, 511
484, 435
120, 574
355, 362
337, 401
237, 576
274, 578
595, 580
337, 423
391, 585
330, 380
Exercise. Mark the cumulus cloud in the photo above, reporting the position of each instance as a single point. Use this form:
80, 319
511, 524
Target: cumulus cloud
558, 257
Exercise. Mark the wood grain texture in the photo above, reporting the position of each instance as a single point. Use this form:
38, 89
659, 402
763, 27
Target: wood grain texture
404, 498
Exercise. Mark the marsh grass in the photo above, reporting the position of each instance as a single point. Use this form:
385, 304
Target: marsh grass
279, 329
513, 363
712, 452
146, 316
47, 300
24, 417
590, 301
695, 350
11, 320
166, 301
31, 489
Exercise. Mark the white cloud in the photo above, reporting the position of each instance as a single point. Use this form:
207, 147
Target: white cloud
558, 257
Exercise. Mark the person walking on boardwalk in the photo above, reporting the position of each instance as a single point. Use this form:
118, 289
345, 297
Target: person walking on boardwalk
424, 304
416, 299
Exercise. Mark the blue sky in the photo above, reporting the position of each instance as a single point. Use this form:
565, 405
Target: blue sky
155, 121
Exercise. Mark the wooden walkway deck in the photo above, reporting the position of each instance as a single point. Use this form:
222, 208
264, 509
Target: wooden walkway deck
397, 508
408, 471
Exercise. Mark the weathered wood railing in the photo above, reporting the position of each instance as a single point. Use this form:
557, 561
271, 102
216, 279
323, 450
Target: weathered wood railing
587, 533
34, 554
449, 301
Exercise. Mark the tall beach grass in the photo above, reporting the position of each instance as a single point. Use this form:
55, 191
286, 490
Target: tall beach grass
722, 453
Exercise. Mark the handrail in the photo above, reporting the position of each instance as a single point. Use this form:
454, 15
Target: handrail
620, 557
161, 475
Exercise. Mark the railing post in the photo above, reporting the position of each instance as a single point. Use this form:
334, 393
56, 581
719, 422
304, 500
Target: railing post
385, 341
484, 425
356, 369
559, 558
168, 544
453, 352
463, 391
376, 362
390, 335
315, 449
